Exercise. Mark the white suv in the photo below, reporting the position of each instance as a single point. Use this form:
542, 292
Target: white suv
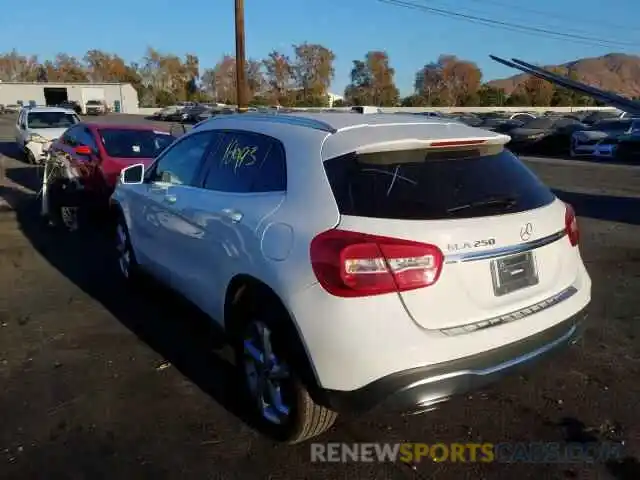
37, 127
357, 260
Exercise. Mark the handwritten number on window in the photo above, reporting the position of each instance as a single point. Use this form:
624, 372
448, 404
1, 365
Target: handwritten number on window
239, 156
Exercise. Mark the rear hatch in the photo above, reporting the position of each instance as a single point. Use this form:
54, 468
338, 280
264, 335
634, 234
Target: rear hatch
493, 236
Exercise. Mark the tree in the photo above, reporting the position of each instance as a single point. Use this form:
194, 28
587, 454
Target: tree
313, 72
414, 101
18, 68
255, 78
224, 77
65, 68
372, 81
489, 96
449, 80
460, 79
429, 81
538, 91
278, 75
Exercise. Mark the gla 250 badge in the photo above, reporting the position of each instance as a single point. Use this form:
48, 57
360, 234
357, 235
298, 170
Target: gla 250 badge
487, 242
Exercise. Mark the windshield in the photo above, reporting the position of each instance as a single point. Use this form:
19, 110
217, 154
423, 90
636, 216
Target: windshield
128, 143
51, 120
94, 102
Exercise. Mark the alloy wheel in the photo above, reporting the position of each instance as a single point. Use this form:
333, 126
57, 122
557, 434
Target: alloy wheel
123, 251
267, 376
69, 216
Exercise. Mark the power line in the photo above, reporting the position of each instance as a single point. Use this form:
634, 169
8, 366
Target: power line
557, 15
508, 25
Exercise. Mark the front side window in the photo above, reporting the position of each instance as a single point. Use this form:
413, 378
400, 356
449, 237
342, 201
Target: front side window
181, 163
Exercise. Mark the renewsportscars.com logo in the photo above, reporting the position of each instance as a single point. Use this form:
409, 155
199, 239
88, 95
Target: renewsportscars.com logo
523, 452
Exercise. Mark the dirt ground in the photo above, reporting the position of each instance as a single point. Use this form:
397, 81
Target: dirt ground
97, 383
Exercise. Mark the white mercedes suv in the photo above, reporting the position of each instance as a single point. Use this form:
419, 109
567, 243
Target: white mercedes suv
357, 261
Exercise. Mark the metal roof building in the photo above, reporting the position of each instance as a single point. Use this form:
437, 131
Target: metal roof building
119, 97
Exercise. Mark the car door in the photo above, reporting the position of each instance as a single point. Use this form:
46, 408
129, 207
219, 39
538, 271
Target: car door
244, 183
157, 227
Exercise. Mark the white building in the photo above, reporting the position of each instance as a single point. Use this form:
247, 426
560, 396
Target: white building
120, 97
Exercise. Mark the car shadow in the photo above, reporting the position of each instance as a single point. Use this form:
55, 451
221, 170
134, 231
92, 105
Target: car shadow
167, 323
11, 150
27, 177
603, 207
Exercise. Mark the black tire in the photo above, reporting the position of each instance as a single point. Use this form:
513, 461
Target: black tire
306, 419
131, 274
29, 157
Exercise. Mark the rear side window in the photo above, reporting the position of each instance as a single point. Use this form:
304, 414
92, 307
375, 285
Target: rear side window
417, 185
247, 162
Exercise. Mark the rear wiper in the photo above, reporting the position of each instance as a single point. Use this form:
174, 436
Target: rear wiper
505, 202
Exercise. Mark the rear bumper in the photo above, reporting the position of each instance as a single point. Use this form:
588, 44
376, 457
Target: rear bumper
421, 389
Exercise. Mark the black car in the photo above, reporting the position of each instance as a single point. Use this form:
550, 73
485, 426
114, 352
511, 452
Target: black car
545, 135
500, 124
192, 114
71, 105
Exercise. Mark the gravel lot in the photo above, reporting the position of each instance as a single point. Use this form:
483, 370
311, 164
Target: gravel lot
99, 384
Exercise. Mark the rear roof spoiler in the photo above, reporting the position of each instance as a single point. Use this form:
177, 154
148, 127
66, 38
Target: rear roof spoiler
417, 144
609, 98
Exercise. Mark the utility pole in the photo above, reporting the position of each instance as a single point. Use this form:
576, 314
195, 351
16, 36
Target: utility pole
241, 79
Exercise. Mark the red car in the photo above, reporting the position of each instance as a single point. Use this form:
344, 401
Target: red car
108, 148
86, 161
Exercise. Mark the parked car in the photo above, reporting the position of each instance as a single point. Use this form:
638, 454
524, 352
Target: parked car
96, 107
603, 139
544, 135
176, 115
165, 112
192, 114
12, 108
524, 117
37, 127
354, 260
500, 124
594, 117
71, 105
86, 162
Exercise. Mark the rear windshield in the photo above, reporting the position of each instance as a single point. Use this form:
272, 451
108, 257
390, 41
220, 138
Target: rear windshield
417, 185
128, 143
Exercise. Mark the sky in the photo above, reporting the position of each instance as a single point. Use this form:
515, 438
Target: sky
349, 28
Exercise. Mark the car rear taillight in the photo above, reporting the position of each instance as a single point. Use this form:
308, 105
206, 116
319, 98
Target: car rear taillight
571, 225
351, 264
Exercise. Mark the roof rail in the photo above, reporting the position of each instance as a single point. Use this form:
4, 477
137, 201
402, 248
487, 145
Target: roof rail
276, 117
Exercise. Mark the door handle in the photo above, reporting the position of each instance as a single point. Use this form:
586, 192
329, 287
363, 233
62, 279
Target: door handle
171, 199
234, 215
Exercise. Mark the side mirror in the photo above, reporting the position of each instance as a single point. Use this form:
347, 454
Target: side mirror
83, 150
132, 175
